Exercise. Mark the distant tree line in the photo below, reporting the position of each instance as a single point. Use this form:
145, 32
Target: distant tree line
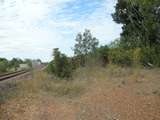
139, 43
12, 65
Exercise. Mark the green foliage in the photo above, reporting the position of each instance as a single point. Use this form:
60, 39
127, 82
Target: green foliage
50, 67
85, 44
150, 56
141, 22
137, 56
3, 65
75, 61
14, 63
28, 62
65, 65
141, 32
120, 56
61, 65
103, 54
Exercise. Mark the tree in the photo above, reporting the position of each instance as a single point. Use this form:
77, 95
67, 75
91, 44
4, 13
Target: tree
14, 63
57, 62
38, 60
85, 44
141, 29
140, 19
28, 62
3, 65
61, 65
50, 67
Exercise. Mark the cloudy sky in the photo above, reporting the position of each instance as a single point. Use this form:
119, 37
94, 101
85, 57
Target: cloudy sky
32, 28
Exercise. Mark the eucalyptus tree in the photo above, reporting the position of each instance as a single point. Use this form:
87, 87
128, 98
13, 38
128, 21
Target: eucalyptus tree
140, 20
85, 44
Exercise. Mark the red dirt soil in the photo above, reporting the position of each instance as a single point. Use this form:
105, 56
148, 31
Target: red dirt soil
103, 100
99, 103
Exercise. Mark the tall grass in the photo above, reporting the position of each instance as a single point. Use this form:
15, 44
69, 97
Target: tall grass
45, 84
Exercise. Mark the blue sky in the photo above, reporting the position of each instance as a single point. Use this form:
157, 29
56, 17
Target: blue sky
32, 28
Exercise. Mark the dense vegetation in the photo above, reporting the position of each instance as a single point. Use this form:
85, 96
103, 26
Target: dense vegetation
141, 29
12, 65
139, 43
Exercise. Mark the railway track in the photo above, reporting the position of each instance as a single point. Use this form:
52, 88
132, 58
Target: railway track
12, 74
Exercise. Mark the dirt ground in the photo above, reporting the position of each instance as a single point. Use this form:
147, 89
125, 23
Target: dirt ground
103, 100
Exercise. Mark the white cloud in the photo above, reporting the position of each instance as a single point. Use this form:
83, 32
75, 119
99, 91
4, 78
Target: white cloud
99, 22
30, 28
18, 25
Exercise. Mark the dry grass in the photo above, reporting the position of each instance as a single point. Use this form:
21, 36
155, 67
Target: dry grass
94, 93
43, 83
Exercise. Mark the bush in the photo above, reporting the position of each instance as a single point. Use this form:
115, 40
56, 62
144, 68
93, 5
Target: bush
120, 56
61, 65
3, 65
136, 56
14, 63
65, 66
103, 54
50, 67
150, 56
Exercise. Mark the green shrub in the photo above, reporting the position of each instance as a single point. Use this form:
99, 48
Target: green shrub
50, 67
3, 65
14, 63
136, 56
61, 65
120, 56
150, 56
65, 66
103, 54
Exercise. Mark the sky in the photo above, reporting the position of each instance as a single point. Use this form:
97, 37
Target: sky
32, 28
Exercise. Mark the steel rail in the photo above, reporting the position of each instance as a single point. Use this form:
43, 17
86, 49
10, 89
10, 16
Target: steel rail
11, 75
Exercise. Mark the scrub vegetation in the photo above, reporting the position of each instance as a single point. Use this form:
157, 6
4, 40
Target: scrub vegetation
117, 81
